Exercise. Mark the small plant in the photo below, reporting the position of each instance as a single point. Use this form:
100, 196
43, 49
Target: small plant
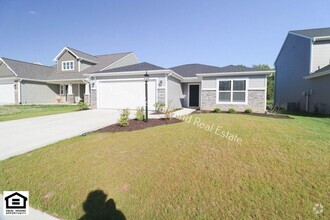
248, 111
83, 106
139, 115
217, 110
168, 113
123, 119
231, 111
159, 106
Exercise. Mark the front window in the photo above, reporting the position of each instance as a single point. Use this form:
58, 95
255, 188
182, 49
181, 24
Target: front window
62, 89
232, 91
67, 65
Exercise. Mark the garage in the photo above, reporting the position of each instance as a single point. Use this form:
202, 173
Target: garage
122, 94
7, 93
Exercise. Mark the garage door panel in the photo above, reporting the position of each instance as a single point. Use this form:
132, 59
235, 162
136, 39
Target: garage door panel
126, 94
7, 94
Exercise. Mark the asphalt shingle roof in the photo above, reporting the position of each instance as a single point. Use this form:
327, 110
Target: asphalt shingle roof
190, 70
135, 67
83, 55
317, 32
42, 72
30, 70
324, 69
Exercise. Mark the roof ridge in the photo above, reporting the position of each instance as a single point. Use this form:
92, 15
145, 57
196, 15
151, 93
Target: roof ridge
113, 54
27, 62
81, 51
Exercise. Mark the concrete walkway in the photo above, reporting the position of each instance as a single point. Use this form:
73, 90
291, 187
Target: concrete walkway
20, 136
184, 111
33, 214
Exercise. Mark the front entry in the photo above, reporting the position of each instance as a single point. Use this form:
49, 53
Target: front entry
193, 95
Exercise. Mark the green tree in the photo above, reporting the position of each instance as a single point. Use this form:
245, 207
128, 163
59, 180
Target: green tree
270, 81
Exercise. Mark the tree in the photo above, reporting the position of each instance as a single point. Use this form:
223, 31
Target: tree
270, 81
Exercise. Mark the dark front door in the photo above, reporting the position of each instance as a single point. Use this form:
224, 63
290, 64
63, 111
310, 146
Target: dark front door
194, 95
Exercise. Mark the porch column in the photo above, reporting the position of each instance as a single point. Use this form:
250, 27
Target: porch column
87, 95
70, 96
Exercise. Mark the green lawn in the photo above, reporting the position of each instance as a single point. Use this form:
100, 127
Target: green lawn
279, 171
12, 112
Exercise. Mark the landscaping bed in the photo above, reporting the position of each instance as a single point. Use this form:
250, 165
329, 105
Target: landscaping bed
138, 125
253, 114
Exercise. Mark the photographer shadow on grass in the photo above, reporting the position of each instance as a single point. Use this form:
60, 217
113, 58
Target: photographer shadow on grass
96, 207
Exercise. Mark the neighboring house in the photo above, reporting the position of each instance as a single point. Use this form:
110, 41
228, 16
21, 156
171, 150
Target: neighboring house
29, 83
302, 79
116, 81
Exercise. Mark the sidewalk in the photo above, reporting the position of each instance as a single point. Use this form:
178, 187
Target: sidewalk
33, 214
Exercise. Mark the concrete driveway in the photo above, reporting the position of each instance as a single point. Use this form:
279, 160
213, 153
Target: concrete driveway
20, 136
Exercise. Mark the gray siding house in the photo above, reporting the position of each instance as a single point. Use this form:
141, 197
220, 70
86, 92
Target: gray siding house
302, 79
116, 81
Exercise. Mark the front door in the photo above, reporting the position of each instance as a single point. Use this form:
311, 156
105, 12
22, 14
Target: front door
193, 95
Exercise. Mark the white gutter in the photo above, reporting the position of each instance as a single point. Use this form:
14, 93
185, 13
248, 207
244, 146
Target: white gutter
268, 72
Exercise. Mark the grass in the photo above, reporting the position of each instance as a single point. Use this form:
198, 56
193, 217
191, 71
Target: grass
179, 171
12, 112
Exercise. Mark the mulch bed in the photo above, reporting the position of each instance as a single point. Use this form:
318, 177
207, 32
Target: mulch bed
138, 125
252, 114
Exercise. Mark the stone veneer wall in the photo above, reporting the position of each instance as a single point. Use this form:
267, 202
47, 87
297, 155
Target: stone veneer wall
161, 95
93, 99
256, 101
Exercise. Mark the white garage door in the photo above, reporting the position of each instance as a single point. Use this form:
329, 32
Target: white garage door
7, 95
126, 94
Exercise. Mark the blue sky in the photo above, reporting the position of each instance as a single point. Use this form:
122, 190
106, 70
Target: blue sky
165, 33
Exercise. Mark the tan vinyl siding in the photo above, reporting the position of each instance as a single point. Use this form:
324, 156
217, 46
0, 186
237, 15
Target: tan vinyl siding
209, 82
254, 81
38, 93
67, 56
174, 93
257, 82
321, 55
128, 60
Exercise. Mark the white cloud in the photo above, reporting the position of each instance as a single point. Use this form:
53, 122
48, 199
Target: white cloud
31, 12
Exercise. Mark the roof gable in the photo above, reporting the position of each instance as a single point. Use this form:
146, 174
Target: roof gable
78, 54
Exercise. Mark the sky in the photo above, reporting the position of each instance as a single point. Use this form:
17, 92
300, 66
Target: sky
166, 33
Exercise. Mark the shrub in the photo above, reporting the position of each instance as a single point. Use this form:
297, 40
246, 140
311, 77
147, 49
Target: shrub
249, 111
139, 114
159, 106
168, 113
217, 110
83, 106
231, 110
123, 119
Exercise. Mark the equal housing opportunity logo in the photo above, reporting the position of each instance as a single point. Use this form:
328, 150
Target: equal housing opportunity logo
15, 203
215, 129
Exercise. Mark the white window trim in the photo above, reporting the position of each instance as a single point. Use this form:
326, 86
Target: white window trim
64, 88
68, 61
231, 91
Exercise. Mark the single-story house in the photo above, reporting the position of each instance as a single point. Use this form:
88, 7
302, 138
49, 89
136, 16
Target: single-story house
116, 81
